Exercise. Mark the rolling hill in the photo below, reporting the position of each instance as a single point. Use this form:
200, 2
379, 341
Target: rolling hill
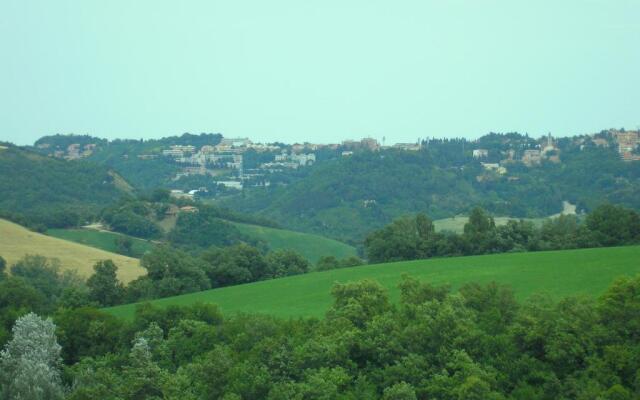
310, 246
347, 197
559, 273
54, 192
17, 241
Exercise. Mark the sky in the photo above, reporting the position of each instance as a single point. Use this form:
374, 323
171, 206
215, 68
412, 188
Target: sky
318, 70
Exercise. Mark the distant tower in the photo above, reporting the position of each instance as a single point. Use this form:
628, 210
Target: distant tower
384, 139
549, 140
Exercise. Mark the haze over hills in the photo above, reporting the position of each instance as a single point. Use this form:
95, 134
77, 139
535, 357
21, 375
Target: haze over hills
345, 190
409, 200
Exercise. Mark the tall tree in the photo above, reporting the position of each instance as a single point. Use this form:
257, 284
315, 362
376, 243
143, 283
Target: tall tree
104, 286
30, 362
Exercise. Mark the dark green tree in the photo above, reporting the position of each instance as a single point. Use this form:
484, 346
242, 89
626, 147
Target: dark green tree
104, 286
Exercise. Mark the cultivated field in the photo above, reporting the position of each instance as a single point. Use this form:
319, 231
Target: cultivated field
559, 273
312, 247
16, 242
101, 239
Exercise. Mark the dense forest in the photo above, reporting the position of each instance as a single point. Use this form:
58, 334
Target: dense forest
478, 342
40, 191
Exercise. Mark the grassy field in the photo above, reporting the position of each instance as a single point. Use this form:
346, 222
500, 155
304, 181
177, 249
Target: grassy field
16, 242
312, 247
100, 239
559, 273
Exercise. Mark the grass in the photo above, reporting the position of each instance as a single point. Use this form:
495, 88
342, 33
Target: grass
101, 240
310, 246
558, 273
17, 241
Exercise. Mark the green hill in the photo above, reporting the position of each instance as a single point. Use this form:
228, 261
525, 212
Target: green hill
54, 192
101, 240
559, 273
312, 247
347, 197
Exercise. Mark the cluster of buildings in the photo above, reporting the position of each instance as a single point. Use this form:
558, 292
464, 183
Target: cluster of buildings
73, 151
530, 157
227, 159
628, 144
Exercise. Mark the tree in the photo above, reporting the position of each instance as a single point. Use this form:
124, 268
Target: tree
286, 263
359, 301
124, 245
479, 222
425, 227
399, 391
3, 266
395, 242
104, 286
614, 225
143, 379
326, 263
30, 362
235, 264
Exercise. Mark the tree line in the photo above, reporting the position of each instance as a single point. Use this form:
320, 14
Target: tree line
478, 342
410, 238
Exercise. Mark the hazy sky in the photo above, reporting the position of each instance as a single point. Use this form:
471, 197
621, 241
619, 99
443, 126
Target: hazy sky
321, 71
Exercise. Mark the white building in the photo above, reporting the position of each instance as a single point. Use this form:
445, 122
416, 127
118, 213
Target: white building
480, 153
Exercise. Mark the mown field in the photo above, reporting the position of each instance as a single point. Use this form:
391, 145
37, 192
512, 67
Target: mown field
312, 247
17, 241
101, 239
559, 273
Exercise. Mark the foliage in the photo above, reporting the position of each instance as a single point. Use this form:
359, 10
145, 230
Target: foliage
30, 363
45, 276
281, 263
204, 229
414, 238
559, 273
104, 286
347, 197
50, 192
477, 343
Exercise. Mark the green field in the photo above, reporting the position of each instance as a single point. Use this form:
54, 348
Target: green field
312, 247
100, 240
558, 273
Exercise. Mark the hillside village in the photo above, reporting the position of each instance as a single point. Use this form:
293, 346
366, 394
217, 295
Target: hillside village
223, 160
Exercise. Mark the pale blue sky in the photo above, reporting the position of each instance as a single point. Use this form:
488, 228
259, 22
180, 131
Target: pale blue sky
320, 71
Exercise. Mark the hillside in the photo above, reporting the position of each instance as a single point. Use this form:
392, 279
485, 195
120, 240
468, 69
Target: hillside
559, 273
54, 192
348, 197
17, 242
312, 247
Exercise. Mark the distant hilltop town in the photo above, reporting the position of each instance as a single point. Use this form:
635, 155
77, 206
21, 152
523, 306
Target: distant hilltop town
238, 163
